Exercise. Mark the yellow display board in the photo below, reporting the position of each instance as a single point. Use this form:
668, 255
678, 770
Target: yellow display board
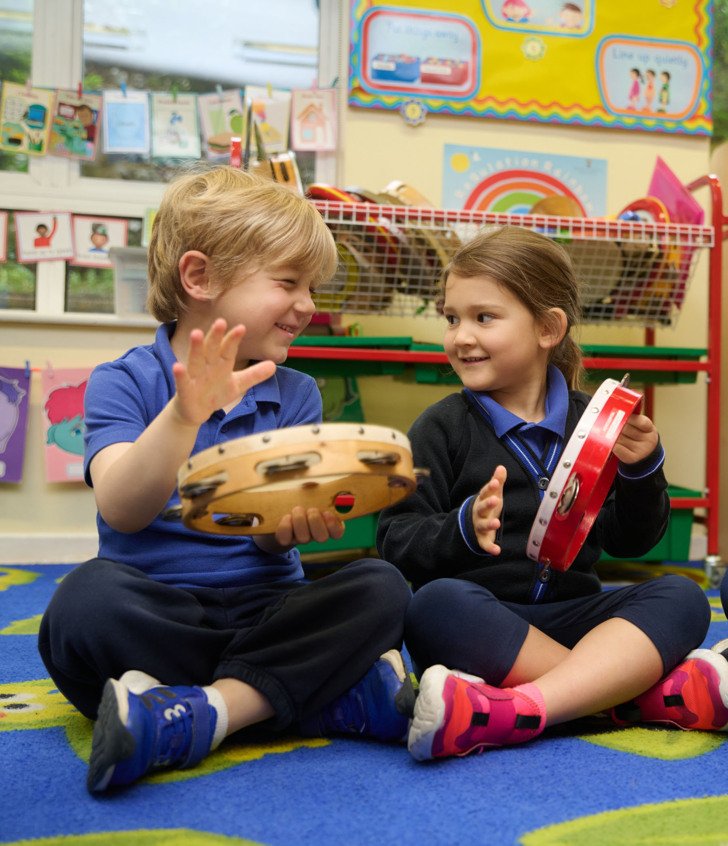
633, 64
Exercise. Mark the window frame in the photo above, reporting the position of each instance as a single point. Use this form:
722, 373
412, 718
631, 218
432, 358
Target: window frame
56, 184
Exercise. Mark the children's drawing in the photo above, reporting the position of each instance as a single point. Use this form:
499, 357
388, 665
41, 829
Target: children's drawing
126, 122
175, 126
43, 236
221, 118
313, 119
272, 113
93, 237
75, 125
14, 398
25, 119
63, 392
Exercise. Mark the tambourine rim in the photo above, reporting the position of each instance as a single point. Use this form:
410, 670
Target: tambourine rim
304, 435
565, 466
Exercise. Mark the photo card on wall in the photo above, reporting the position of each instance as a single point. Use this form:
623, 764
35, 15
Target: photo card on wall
43, 236
93, 237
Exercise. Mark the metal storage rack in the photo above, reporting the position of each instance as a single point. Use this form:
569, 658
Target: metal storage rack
633, 273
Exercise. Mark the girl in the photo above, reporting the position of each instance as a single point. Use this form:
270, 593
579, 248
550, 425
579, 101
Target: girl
528, 653
635, 88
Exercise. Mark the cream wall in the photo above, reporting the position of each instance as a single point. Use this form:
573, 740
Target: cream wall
39, 521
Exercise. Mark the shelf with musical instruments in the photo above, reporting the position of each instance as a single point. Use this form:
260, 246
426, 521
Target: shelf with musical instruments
633, 272
392, 254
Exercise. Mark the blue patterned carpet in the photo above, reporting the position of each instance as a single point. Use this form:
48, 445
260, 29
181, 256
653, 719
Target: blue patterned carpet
588, 784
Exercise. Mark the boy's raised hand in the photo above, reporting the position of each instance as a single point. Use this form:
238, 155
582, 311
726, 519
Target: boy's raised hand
637, 440
487, 510
209, 381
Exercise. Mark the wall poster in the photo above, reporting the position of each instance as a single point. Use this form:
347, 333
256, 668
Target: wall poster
620, 64
513, 182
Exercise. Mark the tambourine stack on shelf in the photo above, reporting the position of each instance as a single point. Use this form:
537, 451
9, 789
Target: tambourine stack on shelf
393, 245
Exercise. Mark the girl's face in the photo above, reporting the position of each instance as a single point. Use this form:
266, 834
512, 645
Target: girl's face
492, 340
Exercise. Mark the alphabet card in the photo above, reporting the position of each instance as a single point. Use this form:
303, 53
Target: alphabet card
43, 236
93, 237
75, 126
63, 392
14, 401
25, 119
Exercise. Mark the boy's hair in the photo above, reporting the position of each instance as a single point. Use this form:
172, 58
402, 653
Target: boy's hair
242, 223
536, 270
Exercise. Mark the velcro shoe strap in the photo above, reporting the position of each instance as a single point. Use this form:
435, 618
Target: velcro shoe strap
201, 728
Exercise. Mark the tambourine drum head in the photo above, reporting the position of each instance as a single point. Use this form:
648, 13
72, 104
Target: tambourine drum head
582, 478
246, 486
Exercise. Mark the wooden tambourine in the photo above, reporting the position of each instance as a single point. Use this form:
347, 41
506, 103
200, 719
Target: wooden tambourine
582, 478
245, 486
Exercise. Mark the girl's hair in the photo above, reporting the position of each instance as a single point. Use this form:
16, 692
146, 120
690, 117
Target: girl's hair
535, 269
242, 223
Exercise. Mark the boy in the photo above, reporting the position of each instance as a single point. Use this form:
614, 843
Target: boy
173, 639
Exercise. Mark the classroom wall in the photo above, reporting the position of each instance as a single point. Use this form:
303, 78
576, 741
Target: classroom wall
44, 522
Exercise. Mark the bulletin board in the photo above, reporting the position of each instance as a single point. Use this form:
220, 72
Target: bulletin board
630, 64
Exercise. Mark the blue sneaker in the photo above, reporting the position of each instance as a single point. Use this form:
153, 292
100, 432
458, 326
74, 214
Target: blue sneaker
142, 728
377, 706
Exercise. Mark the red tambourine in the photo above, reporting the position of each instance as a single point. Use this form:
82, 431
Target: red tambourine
582, 478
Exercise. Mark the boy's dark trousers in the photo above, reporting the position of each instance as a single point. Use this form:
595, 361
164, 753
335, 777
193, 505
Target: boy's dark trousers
301, 644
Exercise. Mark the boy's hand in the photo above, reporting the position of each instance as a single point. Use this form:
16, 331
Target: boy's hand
303, 525
209, 381
487, 509
637, 440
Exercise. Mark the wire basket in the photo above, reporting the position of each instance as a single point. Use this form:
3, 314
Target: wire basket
392, 257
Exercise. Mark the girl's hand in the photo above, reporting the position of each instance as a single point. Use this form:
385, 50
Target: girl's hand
208, 381
487, 509
637, 440
304, 525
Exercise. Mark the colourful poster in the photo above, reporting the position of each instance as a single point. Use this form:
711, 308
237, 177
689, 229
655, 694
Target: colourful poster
513, 182
14, 401
63, 392
638, 66
75, 126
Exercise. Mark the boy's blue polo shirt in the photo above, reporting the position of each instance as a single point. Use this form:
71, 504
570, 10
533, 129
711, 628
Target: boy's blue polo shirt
122, 398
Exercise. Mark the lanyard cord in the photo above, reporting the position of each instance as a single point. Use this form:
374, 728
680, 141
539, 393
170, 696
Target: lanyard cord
537, 468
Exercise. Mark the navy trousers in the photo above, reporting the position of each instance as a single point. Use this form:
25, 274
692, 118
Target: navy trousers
301, 644
463, 626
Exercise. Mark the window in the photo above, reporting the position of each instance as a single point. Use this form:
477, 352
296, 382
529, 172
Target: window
139, 44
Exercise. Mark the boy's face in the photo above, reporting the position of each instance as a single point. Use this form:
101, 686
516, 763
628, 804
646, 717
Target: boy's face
275, 306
